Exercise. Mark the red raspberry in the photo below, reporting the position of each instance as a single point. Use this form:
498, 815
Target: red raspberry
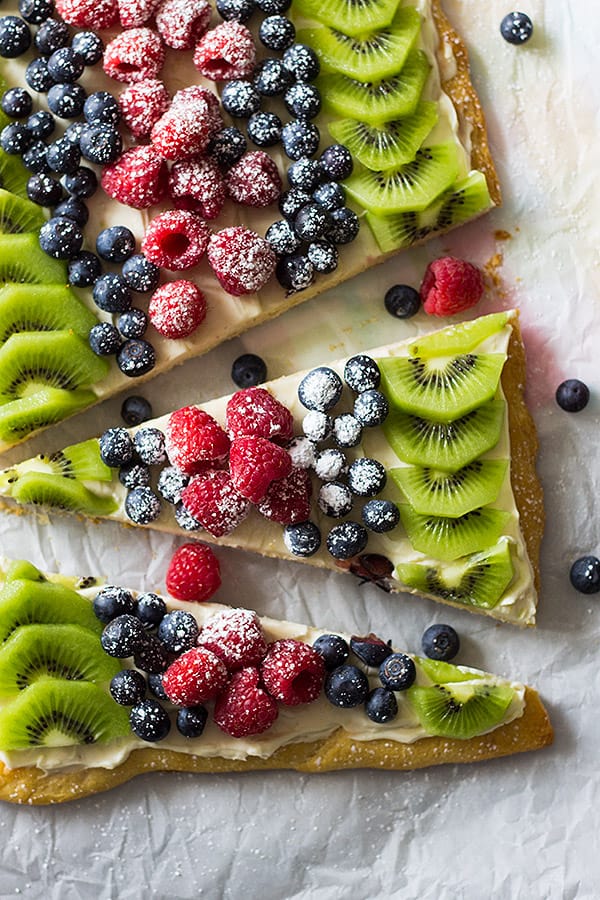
195, 677
244, 708
226, 52
194, 439
194, 573
133, 13
214, 501
254, 464
143, 104
288, 500
177, 308
254, 180
242, 260
134, 55
176, 240
236, 637
293, 672
254, 411
196, 95
183, 22
186, 128
198, 185
94, 14
139, 178
450, 285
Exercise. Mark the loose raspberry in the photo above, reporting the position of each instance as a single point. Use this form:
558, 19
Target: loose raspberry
288, 500
255, 463
215, 502
254, 180
94, 14
183, 22
134, 55
139, 179
143, 104
242, 260
186, 128
194, 440
236, 637
226, 52
254, 411
244, 708
133, 13
195, 677
176, 240
194, 573
293, 672
198, 185
450, 285
177, 308
194, 96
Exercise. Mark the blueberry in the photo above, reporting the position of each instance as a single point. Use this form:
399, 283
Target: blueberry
303, 100
52, 35
123, 636
291, 202
140, 274
149, 445
15, 139
282, 237
15, 37
302, 452
100, 144
312, 222
238, 10
115, 244
273, 7
271, 78
75, 209
300, 138
135, 410
152, 657
381, 706
330, 464
111, 293
323, 256
63, 157
227, 146
142, 505
264, 129
73, 132
516, 28
371, 408
36, 11
171, 484
320, 389
185, 519
128, 687
41, 124
335, 499
89, 46
440, 642
347, 539
347, 431
136, 357
84, 269
178, 631
334, 650
346, 687
104, 339
585, 575
295, 272
150, 609
133, 323
370, 649
336, 162
277, 33
380, 515
302, 539
37, 75
156, 686
61, 238
101, 108
66, 65
66, 101
344, 226
361, 373
317, 426
305, 174
17, 103
402, 301
366, 477
191, 721
331, 195
116, 447
81, 183
149, 721
35, 160
302, 62
572, 395
248, 370
397, 672
112, 601
240, 99
134, 474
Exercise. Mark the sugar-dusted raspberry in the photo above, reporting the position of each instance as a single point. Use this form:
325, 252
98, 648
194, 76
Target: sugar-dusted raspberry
133, 13
242, 260
194, 573
176, 240
142, 104
194, 96
288, 500
255, 464
185, 129
94, 14
139, 178
244, 708
197, 185
236, 637
183, 22
194, 440
215, 502
226, 52
293, 672
177, 308
450, 286
254, 180
254, 411
134, 55
195, 677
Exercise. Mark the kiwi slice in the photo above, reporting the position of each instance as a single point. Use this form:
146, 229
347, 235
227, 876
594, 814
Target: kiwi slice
443, 672
81, 461
18, 216
23, 261
480, 581
440, 389
28, 307
389, 144
461, 710
58, 492
407, 188
27, 602
20, 418
358, 16
446, 538
439, 493
370, 56
22, 570
61, 714
13, 175
459, 338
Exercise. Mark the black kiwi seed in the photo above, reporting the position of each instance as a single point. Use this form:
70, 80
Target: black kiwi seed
62, 721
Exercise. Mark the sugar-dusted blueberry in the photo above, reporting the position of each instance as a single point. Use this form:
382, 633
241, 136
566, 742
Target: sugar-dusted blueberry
115, 244
440, 642
89, 45
292, 201
516, 28
345, 226
277, 33
135, 410
320, 389
371, 408
366, 477
240, 98
34, 158
122, 636
100, 144
380, 515
156, 686
302, 539
36, 11
65, 65
185, 519
142, 505
17, 103
150, 609
84, 269
331, 195
273, 7
295, 272
52, 35
152, 657
128, 687
101, 107
41, 124
361, 373
149, 721
171, 484
136, 357
140, 274
397, 672
104, 339
303, 100
585, 574
271, 78
323, 255
235, 10
381, 705
264, 129
82, 183
61, 238
116, 447
334, 650
66, 100
402, 301
300, 138
134, 474
149, 445
305, 174
347, 539
15, 37
572, 395
302, 452
302, 62
133, 323
63, 156
111, 293
347, 430
335, 499
15, 139
112, 601
282, 237
191, 720
336, 162
227, 146
330, 464
312, 222
317, 426
248, 370
346, 687
178, 631
75, 209
370, 649
38, 76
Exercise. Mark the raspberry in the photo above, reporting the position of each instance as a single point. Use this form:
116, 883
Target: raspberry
177, 308
94, 14
236, 637
450, 285
183, 22
134, 55
214, 501
226, 52
293, 672
254, 411
139, 178
143, 104
242, 260
194, 573
133, 13
195, 94
244, 708
194, 439
255, 463
198, 185
176, 240
254, 180
186, 128
288, 500
195, 677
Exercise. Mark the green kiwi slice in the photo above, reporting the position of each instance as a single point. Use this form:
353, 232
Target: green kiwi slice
441, 389
27, 307
20, 418
58, 492
443, 672
371, 56
446, 538
61, 714
23, 261
23, 570
13, 175
27, 602
459, 338
480, 581
436, 492
358, 16
407, 188
81, 461
461, 710
389, 144
18, 216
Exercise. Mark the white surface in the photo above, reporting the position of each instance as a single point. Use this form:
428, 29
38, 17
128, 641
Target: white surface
526, 826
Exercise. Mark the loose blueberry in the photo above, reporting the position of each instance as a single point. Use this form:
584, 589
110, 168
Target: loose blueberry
89, 46
61, 238
100, 144
115, 244
323, 256
317, 426
330, 464
41, 124
238, 10
35, 159
66, 65
380, 515
122, 636
178, 631
331, 195
345, 226
347, 431
156, 686
366, 477
397, 672
63, 157
171, 484
295, 272
84, 269
112, 601
149, 445
381, 706
136, 357
140, 274
336, 162
264, 129
320, 389
37, 75
66, 100
300, 138
312, 222
585, 575
73, 132
75, 209
191, 721
572, 395
81, 183
305, 174
136, 410
282, 237
15, 37
111, 293
149, 721
152, 657
134, 474
335, 499
346, 687
133, 323
277, 33
334, 650
128, 687
142, 505
150, 609
292, 201
370, 649
15, 139
116, 447
303, 100
104, 339
271, 78
273, 7
248, 370
347, 539
516, 28
371, 408
185, 519
240, 99
402, 301
303, 539
101, 108
51, 36
302, 452
440, 642
302, 62
36, 11
16, 103
361, 373
227, 146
